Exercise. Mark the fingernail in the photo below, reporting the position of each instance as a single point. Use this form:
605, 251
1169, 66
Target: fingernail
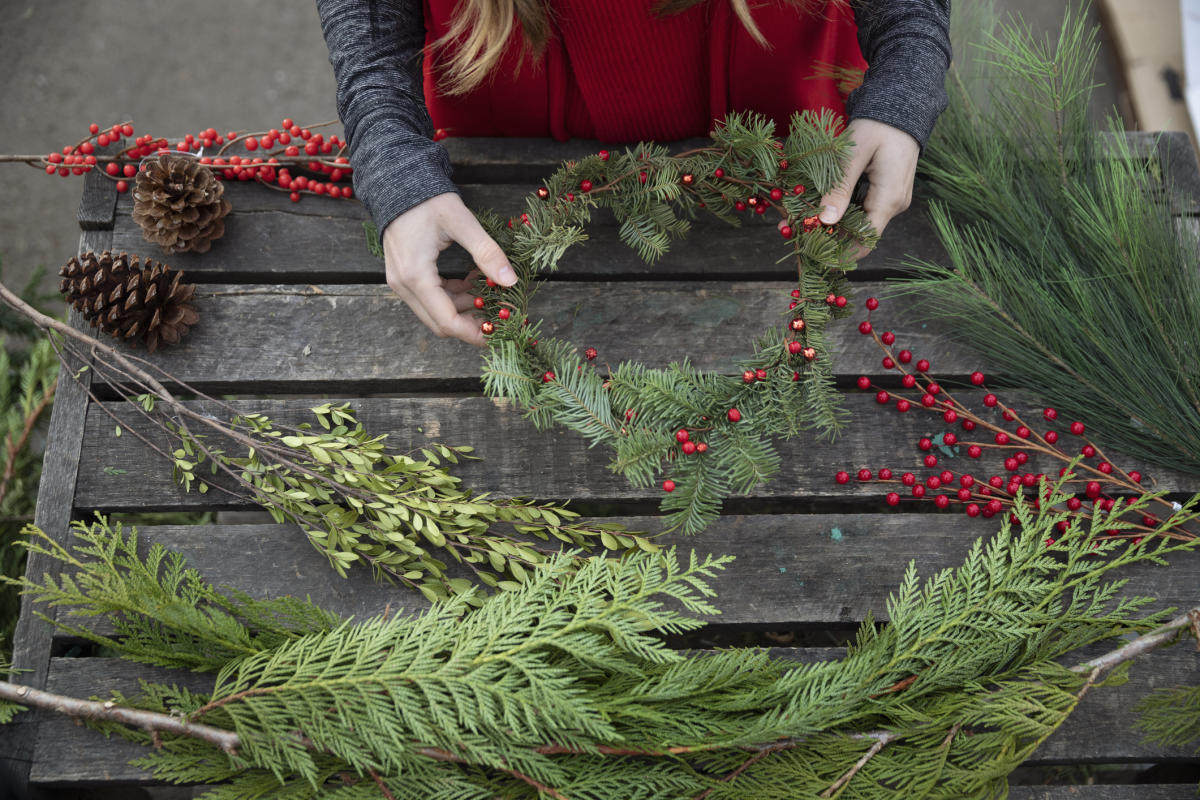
829, 215
507, 276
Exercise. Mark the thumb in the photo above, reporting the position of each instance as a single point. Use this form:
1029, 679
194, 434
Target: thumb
487, 255
835, 202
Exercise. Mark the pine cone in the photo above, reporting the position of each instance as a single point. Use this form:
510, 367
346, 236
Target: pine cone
179, 204
130, 300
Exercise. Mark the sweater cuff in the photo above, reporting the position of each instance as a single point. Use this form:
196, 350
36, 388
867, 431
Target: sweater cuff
905, 89
396, 168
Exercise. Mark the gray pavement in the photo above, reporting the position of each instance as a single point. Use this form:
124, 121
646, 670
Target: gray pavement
172, 68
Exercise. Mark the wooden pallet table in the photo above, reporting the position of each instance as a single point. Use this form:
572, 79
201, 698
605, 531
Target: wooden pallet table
294, 307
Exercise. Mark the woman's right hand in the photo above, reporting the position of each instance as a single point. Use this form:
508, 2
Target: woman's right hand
411, 243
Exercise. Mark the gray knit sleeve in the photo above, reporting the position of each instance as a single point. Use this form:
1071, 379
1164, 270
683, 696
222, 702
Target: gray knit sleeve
906, 44
375, 47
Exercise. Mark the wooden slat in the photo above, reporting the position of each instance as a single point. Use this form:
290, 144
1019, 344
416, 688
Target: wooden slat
790, 569
1161, 791
516, 459
363, 338
56, 491
98, 204
319, 239
1098, 732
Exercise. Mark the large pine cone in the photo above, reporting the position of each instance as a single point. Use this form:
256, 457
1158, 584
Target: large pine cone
130, 300
179, 204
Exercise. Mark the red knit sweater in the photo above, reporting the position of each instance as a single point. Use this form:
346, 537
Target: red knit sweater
613, 71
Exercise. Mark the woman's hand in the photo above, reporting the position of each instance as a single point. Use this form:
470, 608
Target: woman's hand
411, 243
888, 156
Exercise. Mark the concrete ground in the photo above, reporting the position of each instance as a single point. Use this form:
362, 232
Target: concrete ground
172, 68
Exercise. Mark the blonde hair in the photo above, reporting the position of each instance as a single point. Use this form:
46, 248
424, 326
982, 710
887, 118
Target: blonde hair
481, 29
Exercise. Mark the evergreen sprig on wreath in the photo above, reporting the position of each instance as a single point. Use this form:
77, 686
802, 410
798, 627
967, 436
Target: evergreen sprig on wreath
709, 432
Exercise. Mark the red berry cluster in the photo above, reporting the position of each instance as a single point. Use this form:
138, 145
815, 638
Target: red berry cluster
1096, 482
277, 152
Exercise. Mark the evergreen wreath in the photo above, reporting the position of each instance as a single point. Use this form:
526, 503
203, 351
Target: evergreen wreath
709, 432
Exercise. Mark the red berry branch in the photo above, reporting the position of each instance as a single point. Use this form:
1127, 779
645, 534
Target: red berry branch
1098, 483
266, 157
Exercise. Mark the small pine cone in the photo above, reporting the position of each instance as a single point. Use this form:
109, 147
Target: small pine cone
128, 299
178, 203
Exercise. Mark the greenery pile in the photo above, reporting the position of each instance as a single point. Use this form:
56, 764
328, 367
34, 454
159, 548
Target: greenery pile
563, 687
28, 378
1066, 269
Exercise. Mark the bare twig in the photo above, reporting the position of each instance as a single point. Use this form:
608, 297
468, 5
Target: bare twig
880, 740
226, 741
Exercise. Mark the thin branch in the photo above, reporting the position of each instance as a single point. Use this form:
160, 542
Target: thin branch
226, 741
880, 740
13, 447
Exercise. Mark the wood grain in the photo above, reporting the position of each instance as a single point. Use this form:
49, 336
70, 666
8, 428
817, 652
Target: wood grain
268, 238
1098, 732
790, 570
516, 459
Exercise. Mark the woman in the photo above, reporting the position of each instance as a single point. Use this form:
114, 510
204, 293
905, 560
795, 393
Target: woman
618, 70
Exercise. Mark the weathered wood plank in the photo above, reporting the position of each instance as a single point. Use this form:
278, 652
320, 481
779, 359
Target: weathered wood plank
1161, 791
1098, 732
516, 459
98, 204
364, 338
56, 491
790, 570
320, 239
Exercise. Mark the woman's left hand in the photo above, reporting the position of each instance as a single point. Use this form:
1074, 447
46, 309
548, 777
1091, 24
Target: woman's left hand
888, 157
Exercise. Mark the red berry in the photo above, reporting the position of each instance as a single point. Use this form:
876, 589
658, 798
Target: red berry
974, 451
864, 474
776, 194
885, 474
585, 186
733, 414
922, 366
903, 405
504, 313
840, 301
931, 461
908, 479
893, 499
872, 304
908, 381
1028, 479
996, 481
842, 477
93, 129
1106, 504
798, 188
786, 231
1088, 451
760, 374
718, 173
864, 327
994, 506
294, 197
950, 416
963, 495
1135, 476
888, 337
487, 327
701, 447
977, 378
795, 293
739, 205
990, 400
113, 168
548, 376
972, 509
603, 155
1105, 467
479, 302
941, 501
950, 439
1093, 489
122, 186
1008, 415
1074, 504
1051, 437
933, 482
888, 363
681, 435
642, 179
795, 347
1023, 432
1077, 428
1050, 414
928, 400
864, 382
668, 485
933, 388
590, 354
925, 443
882, 397
918, 491
688, 179
748, 376
904, 356
1011, 464
1001, 438
688, 448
